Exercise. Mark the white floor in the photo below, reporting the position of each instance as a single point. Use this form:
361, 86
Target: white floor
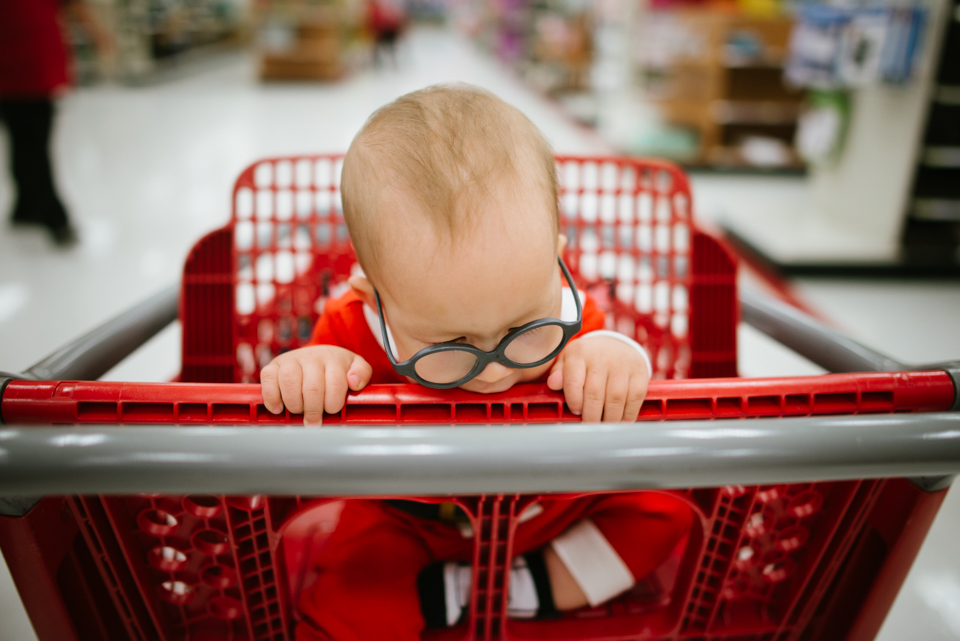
147, 171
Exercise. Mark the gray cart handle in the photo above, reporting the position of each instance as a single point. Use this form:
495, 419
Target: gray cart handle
433, 460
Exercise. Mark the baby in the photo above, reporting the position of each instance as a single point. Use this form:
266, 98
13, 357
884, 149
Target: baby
450, 198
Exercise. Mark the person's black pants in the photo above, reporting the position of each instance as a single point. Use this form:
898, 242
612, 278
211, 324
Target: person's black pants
29, 123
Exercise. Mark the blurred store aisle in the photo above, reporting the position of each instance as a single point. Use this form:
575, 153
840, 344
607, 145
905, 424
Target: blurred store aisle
147, 171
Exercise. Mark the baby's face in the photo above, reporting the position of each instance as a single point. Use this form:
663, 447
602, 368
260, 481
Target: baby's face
501, 276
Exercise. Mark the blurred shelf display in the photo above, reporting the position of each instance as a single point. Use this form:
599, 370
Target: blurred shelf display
883, 143
844, 47
720, 75
547, 42
699, 84
946, 157
947, 95
428, 11
300, 40
932, 231
152, 36
324, 40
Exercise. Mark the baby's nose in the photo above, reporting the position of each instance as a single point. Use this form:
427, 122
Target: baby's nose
493, 373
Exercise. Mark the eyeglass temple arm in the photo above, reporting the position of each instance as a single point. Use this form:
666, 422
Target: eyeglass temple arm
573, 286
383, 329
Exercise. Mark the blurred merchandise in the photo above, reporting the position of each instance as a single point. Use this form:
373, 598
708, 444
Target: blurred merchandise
325, 40
549, 43
765, 151
719, 75
882, 134
931, 235
561, 50
89, 65
154, 35
761, 8
664, 141
823, 126
834, 47
300, 40
696, 81
428, 11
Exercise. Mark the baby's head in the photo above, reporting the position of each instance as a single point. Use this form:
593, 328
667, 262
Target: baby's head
450, 197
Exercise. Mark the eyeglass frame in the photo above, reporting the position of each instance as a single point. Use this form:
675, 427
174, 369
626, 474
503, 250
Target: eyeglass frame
484, 358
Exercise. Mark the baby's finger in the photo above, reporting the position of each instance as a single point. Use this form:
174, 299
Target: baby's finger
336, 388
558, 363
635, 396
555, 380
616, 399
359, 373
313, 392
594, 391
573, 373
290, 378
270, 388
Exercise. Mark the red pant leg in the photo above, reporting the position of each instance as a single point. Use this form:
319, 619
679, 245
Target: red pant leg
366, 586
642, 527
608, 542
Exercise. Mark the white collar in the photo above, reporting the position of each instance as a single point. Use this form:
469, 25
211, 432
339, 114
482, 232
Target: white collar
568, 314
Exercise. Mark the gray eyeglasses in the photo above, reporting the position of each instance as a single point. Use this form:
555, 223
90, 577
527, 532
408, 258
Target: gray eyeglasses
449, 365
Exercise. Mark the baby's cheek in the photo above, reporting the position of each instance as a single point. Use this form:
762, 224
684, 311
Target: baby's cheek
533, 373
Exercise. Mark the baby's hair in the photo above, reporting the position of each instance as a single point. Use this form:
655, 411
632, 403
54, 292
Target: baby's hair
445, 147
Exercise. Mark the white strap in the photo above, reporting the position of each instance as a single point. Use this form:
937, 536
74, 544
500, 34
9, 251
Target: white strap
522, 601
373, 322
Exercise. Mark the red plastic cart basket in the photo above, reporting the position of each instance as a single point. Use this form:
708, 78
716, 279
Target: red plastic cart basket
813, 560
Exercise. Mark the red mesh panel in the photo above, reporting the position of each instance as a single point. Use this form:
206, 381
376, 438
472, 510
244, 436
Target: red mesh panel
206, 311
631, 243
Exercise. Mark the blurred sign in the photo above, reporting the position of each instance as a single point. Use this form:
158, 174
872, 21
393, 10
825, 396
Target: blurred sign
834, 47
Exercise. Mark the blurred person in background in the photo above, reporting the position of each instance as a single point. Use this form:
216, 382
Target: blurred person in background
386, 20
34, 72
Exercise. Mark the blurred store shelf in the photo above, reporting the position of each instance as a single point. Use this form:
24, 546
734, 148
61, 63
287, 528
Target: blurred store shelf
155, 39
147, 170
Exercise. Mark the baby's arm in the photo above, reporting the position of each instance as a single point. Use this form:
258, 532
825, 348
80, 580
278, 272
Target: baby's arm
602, 376
313, 380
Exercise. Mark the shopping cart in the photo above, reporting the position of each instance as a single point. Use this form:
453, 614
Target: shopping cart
807, 517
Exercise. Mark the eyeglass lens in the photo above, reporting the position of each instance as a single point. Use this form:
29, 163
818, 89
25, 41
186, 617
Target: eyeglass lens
534, 344
526, 347
445, 367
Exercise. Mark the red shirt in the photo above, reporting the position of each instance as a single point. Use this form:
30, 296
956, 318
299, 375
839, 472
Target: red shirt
33, 58
384, 17
343, 324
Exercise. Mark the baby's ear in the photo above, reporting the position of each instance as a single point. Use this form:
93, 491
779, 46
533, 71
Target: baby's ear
363, 288
561, 244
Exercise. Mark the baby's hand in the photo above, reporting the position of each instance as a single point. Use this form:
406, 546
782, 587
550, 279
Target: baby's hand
313, 380
601, 376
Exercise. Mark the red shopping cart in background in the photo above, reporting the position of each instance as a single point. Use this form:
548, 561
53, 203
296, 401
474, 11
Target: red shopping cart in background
811, 560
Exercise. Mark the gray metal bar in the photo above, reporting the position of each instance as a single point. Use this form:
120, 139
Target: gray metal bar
812, 339
94, 354
477, 459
